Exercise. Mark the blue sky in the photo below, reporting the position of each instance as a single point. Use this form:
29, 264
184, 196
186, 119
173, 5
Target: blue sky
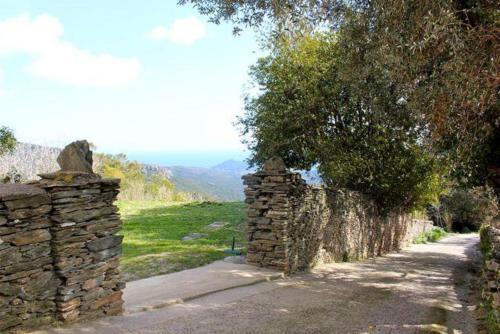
130, 76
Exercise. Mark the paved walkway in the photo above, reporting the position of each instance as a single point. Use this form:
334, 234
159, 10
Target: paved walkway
423, 289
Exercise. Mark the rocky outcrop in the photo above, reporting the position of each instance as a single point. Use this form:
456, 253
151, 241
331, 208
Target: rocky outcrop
294, 226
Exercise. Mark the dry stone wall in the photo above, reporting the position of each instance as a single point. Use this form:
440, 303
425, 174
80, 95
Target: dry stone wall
59, 252
294, 226
490, 241
28, 282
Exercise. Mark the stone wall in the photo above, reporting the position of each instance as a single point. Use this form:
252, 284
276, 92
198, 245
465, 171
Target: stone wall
294, 226
490, 244
59, 252
28, 282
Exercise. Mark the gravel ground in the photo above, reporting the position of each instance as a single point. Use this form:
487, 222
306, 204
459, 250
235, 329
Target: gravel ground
424, 289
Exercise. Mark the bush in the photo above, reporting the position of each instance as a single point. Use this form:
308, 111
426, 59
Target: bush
430, 236
468, 209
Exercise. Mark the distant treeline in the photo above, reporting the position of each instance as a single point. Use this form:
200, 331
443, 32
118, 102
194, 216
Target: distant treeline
136, 184
139, 182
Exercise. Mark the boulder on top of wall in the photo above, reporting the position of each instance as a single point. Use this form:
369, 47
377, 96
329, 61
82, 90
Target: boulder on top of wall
275, 164
76, 157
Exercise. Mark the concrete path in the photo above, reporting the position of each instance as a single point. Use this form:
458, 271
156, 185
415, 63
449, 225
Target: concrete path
160, 291
423, 289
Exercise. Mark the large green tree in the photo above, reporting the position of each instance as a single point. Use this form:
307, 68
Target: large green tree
441, 56
313, 109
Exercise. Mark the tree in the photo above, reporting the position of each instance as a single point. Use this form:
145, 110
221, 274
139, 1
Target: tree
7, 140
442, 55
314, 109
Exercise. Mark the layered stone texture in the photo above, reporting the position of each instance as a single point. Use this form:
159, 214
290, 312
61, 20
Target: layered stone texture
293, 226
59, 252
490, 239
85, 247
28, 282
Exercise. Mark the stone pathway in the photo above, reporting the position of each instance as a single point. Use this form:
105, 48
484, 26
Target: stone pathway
424, 289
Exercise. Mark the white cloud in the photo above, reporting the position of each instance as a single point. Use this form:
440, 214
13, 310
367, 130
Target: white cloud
181, 31
58, 60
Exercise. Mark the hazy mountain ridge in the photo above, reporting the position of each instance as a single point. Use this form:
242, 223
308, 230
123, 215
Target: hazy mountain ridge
222, 182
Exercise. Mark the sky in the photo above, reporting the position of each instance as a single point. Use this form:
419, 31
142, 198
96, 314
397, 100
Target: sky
146, 78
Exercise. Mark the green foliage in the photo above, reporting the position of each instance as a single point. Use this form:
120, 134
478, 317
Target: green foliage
433, 235
135, 184
7, 140
469, 209
485, 244
315, 107
441, 57
154, 230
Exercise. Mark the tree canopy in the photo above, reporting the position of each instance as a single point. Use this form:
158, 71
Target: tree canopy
440, 57
313, 109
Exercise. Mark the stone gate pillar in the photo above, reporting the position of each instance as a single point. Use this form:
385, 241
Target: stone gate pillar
269, 195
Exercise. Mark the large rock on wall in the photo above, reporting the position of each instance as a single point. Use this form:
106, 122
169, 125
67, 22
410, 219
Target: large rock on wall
76, 157
293, 226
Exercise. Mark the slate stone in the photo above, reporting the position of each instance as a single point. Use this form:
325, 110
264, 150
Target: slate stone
104, 243
9, 321
42, 286
29, 237
76, 157
108, 253
275, 164
9, 256
27, 202
216, 225
8, 289
194, 236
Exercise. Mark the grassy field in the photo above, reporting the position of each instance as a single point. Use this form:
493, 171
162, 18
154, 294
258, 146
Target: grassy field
153, 233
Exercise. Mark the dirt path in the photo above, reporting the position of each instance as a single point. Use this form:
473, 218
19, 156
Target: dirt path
423, 289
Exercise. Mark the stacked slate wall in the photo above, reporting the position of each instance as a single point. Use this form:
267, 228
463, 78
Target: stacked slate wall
294, 226
490, 245
59, 252
28, 283
85, 247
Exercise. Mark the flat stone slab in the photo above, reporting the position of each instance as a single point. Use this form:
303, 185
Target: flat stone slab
12, 191
217, 225
194, 236
165, 290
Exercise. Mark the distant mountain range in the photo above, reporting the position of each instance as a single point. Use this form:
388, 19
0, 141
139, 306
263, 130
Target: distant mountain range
221, 182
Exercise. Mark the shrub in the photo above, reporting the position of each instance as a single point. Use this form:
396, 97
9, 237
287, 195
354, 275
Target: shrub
430, 236
468, 209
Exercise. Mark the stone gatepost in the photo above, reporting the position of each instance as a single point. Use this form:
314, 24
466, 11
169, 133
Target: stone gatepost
85, 246
59, 251
270, 197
